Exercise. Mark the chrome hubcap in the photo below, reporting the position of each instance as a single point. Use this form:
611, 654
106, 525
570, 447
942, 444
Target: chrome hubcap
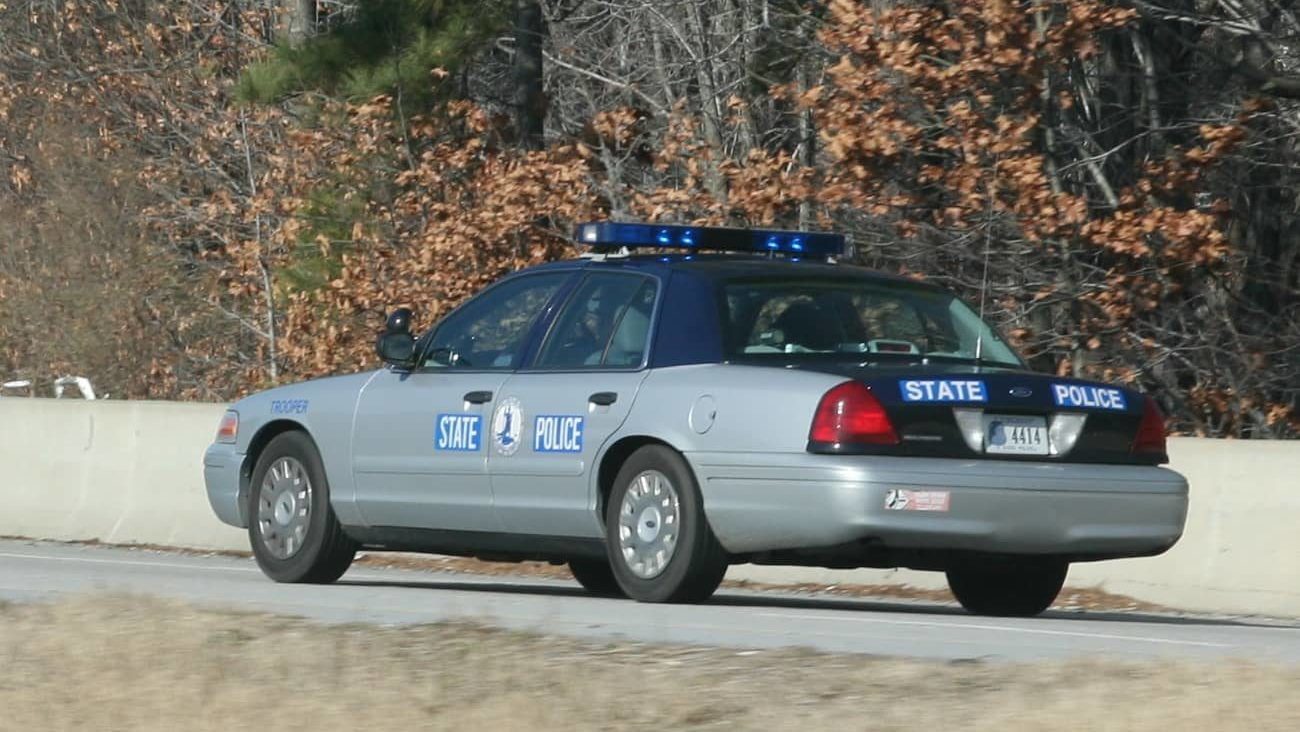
284, 507
648, 523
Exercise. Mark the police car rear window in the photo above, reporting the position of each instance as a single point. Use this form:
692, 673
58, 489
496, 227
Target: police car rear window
853, 317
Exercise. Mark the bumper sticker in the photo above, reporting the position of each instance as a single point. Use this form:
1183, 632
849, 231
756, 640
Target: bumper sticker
900, 499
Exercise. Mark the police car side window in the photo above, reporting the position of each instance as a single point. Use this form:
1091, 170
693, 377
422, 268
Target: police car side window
626, 348
489, 331
604, 325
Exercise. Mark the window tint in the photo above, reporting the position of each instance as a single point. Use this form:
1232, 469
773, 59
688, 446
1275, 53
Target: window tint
604, 325
854, 317
489, 331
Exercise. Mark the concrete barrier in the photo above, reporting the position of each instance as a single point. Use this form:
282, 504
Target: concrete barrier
130, 472
113, 471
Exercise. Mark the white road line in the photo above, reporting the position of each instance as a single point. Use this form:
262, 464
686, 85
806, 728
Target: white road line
129, 563
1003, 628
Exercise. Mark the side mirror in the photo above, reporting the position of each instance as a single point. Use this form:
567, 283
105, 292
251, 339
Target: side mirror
396, 346
397, 349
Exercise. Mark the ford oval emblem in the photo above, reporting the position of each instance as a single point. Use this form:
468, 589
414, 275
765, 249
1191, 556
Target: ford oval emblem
1020, 391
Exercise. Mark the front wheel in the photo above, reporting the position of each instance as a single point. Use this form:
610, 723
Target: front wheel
661, 548
1018, 589
293, 531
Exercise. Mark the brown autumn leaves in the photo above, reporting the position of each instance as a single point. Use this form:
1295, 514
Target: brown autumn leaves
931, 130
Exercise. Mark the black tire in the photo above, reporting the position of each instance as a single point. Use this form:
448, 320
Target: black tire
698, 562
324, 552
1015, 589
596, 577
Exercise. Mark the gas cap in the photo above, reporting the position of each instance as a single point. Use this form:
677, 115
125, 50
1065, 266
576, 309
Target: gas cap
703, 413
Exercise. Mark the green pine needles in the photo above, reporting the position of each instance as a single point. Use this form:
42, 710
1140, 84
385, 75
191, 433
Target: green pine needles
383, 47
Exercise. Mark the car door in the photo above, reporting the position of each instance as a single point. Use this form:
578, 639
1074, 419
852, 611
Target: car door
420, 436
556, 414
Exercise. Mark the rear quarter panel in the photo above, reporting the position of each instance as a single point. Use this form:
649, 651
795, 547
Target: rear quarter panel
722, 408
726, 419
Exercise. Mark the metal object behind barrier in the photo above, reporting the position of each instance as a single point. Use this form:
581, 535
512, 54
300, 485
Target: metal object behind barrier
81, 382
17, 384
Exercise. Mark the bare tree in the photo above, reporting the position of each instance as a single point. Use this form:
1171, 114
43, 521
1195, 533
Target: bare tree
301, 20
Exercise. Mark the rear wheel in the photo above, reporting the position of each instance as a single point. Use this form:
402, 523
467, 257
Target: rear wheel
661, 548
1015, 589
293, 531
596, 577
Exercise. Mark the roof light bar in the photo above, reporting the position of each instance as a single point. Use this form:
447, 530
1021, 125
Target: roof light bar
670, 236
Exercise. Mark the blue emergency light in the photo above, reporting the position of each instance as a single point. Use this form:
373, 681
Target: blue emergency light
607, 234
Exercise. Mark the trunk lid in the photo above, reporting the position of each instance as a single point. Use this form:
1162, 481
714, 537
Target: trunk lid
943, 410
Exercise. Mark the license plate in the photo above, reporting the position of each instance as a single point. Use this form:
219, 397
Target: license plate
1008, 435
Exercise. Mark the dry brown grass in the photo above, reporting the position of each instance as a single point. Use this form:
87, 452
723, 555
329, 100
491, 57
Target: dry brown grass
128, 663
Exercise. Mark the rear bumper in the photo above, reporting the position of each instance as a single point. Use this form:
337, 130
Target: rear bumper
222, 475
764, 502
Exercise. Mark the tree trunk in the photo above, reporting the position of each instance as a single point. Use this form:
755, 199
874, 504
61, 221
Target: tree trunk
807, 145
710, 105
302, 20
529, 95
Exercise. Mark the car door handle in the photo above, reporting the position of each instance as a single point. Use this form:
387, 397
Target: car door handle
478, 397
603, 398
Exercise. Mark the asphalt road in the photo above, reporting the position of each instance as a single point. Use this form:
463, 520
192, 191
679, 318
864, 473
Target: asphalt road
39, 571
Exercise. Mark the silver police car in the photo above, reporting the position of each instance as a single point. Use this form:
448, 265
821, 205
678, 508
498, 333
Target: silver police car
652, 418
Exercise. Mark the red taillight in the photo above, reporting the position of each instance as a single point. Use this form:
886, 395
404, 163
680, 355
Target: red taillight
1150, 438
851, 414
